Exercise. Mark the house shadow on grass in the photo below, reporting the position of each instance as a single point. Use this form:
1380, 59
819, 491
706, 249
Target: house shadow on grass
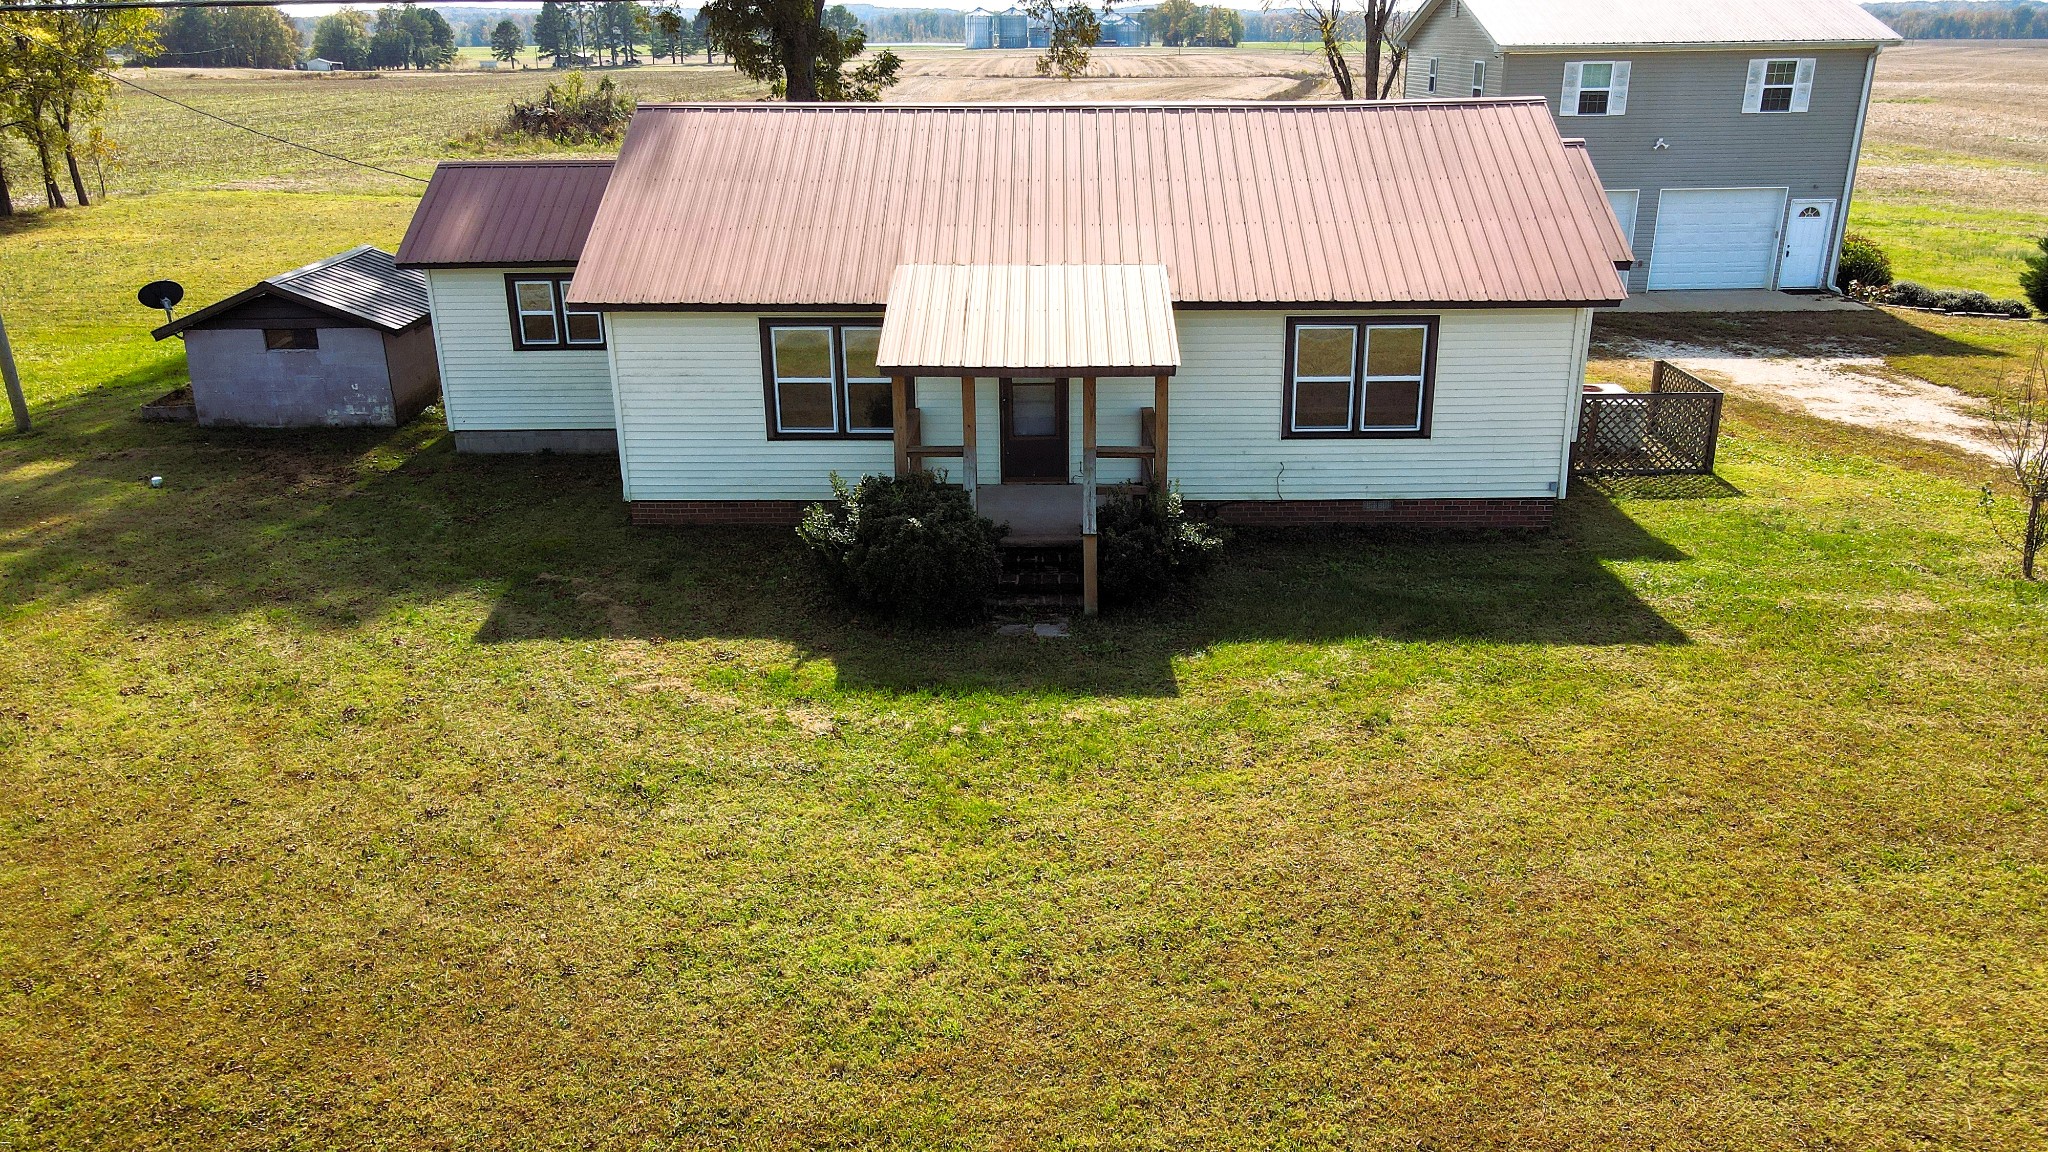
1297, 586
331, 531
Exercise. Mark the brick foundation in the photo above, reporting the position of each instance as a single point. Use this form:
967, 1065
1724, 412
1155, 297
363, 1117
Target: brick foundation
1525, 513
770, 513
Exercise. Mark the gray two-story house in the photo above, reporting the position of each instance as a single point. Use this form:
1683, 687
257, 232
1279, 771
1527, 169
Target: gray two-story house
1725, 131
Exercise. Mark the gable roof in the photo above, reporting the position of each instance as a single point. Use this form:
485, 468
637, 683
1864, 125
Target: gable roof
1269, 204
505, 214
1527, 25
1077, 319
360, 285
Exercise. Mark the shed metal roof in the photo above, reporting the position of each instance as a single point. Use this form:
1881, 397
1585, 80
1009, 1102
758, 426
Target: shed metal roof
776, 205
361, 284
505, 214
1086, 319
1530, 24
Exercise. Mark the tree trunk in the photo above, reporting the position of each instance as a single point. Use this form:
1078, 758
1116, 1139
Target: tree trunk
2030, 544
6, 193
1340, 71
77, 180
800, 70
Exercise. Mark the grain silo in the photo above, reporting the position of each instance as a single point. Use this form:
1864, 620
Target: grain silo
981, 29
1013, 29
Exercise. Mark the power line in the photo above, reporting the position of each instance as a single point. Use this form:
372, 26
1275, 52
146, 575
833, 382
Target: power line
259, 132
114, 5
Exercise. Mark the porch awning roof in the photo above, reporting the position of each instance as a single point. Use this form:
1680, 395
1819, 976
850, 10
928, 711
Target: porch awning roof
1018, 319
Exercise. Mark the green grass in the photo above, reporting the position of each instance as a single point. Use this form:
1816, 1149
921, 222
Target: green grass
1948, 247
396, 120
353, 793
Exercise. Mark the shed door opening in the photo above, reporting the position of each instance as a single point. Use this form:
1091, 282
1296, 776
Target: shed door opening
1034, 431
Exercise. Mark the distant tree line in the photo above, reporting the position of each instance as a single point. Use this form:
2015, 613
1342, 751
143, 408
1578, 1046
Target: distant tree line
1960, 20
925, 26
225, 38
1185, 24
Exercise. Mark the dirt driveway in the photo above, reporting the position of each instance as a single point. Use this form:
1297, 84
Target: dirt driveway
1831, 383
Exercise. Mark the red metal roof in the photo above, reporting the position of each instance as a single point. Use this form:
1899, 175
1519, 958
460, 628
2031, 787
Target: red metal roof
1080, 319
1392, 203
505, 214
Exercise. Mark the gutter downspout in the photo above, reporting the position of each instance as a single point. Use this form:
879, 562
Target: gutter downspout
1849, 189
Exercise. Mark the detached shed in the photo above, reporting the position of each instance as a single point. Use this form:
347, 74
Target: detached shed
342, 342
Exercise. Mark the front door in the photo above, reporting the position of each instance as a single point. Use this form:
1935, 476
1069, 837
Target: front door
1034, 431
1807, 233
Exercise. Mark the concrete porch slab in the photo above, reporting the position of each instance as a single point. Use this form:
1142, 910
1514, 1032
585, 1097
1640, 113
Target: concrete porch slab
1737, 300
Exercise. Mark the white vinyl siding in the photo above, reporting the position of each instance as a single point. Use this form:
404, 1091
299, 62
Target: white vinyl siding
487, 384
1595, 88
1505, 390
1716, 238
1778, 85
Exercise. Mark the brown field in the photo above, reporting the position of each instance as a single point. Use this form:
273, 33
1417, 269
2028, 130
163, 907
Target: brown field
948, 75
1962, 125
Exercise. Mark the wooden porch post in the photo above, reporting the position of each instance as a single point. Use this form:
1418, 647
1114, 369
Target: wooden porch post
1091, 596
899, 396
970, 463
1159, 431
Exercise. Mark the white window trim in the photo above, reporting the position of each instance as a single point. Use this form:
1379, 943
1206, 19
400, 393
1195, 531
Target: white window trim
1418, 378
1801, 95
1479, 78
1616, 89
830, 383
1433, 63
1349, 380
568, 334
554, 321
846, 371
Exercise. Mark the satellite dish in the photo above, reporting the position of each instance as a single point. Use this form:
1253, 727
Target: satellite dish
163, 294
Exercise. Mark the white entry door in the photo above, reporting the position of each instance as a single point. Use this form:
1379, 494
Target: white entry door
1716, 237
1807, 232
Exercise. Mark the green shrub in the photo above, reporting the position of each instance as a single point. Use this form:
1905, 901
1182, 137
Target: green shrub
2034, 279
1147, 545
1863, 262
905, 546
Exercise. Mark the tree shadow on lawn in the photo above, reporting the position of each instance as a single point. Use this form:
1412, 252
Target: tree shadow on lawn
335, 529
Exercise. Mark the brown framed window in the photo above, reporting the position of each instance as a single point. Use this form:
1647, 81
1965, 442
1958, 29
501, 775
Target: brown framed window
819, 380
543, 320
1360, 377
291, 339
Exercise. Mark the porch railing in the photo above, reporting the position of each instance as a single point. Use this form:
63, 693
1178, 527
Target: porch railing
1670, 430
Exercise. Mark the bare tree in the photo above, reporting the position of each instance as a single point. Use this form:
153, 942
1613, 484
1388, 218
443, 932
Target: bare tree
1371, 22
2019, 427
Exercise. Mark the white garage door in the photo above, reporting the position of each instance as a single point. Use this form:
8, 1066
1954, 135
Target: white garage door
1716, 237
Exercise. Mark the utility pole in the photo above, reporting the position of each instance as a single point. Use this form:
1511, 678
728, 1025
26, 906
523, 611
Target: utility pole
15, 399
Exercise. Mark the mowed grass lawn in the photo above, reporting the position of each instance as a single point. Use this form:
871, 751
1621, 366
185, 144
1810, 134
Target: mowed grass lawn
354, 793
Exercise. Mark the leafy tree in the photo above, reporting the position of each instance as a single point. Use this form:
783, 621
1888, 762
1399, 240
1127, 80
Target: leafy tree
343, 37
788, 45
54, 85
550, 31
411, 37
1074, 32
2034, 278
255, 38
506, 41
672, 35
